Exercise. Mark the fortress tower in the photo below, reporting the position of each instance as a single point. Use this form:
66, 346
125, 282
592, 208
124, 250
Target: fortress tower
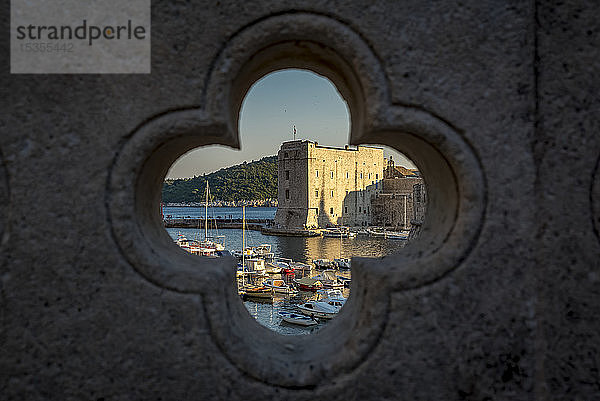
320, 186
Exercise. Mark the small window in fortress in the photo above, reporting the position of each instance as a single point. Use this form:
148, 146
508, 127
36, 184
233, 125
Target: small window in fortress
223, 202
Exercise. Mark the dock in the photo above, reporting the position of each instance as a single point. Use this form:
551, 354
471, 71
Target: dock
251, 224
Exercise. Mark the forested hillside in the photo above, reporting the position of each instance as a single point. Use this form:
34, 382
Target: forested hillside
247, 181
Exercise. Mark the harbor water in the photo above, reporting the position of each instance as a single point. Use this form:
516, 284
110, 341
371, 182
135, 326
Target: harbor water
299, 249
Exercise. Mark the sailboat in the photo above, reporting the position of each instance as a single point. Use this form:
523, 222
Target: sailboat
207, 247
209, 241
250, 262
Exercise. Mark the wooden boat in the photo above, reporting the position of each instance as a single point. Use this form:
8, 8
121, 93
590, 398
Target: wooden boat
308, 284
279, 286
298, 319
328, 279
279, 265
261, 292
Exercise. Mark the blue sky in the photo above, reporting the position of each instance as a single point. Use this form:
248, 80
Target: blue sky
271, 108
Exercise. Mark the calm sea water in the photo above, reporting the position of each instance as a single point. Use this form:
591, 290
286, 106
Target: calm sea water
220, 212
301, 249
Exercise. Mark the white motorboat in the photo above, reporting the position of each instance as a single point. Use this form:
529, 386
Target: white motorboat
338, 232
332, 296
280, 265
318, 309
301, 266
255, 265
263, 251
401, 235
323, 263
376, 232
298, 319
345, 281
342, 263
329, 279
196, 248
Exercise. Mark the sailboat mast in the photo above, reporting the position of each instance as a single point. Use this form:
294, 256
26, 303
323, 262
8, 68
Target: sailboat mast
206, 214
243, 234
405, 201
340, 243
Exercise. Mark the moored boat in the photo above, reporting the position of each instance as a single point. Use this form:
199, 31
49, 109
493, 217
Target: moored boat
328, 279
401, 235
342, 263
279, 265
318, 309
308, 284
338, 232
299, 266
331, 296
261, 292
296, 318
376, 232
323, 263
345, 281
279, 286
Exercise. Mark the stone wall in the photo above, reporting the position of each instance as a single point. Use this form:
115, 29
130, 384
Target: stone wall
292, 184
400, 202
496, 102
347, 179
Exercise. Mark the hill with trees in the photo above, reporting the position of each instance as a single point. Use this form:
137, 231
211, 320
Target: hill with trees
256, 180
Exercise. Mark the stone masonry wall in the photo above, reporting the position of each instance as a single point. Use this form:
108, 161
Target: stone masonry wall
292, 185
496, 102
344, 185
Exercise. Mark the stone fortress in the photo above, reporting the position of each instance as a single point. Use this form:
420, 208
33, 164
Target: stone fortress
323, 186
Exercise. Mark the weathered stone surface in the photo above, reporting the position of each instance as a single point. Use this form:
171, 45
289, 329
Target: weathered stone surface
497, 104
